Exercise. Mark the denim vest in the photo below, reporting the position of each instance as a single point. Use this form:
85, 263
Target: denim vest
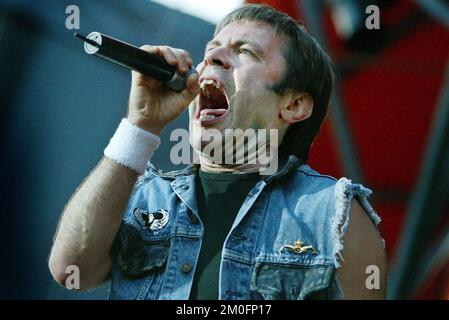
284, 243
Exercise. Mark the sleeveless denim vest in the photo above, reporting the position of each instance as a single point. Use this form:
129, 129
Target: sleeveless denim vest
156, 249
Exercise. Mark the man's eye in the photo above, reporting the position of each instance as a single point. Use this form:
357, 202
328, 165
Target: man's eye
245, 51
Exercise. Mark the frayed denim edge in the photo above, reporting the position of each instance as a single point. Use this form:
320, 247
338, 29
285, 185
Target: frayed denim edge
345, 190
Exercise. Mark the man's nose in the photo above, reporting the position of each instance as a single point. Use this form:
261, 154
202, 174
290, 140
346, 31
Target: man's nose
217, 57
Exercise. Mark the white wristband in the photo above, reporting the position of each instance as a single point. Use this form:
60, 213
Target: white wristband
131, 146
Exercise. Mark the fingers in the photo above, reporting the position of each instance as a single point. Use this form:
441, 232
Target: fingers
192, 84
183, 61
175, 57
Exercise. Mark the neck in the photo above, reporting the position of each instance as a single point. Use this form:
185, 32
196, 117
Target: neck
209, 166
237, 151
262, 160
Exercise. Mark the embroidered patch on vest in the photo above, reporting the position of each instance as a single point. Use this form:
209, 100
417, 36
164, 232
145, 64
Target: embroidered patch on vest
298, 247
153, 221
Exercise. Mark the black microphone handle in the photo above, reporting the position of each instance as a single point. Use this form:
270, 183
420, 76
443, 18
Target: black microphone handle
132, 57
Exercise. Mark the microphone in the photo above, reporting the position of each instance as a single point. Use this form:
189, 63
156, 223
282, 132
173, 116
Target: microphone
132, 57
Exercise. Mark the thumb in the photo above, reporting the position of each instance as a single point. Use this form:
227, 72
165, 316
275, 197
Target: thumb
192, 88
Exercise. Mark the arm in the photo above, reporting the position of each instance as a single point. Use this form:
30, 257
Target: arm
362, 247
92, 217
90, 222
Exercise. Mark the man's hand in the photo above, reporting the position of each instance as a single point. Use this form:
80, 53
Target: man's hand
152, 105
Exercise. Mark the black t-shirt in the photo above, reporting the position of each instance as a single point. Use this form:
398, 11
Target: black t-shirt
219, 196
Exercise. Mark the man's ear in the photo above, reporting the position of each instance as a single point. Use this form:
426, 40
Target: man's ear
300, 108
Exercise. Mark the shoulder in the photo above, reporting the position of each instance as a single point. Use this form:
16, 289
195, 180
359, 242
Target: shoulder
305, 172
342, 191
303, 180
358, 248
363, 271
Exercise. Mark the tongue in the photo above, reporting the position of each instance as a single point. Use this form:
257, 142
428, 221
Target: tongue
215, 112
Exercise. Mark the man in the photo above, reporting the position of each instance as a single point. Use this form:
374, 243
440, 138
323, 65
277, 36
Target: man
226, 230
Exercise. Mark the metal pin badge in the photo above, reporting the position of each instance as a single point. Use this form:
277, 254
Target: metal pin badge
153, 221
298, 247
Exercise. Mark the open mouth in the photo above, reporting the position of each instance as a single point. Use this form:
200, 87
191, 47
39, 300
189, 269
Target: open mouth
213, 104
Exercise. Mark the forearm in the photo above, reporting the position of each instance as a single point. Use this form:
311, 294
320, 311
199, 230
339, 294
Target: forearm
90, 222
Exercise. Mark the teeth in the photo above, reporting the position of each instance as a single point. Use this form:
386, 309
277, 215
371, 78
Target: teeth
207, 117
205, 82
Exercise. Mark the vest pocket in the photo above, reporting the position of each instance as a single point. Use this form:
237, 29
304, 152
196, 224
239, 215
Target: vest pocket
293, 282
138, 265
137, 257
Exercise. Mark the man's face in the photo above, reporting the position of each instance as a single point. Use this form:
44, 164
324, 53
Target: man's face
241, 64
